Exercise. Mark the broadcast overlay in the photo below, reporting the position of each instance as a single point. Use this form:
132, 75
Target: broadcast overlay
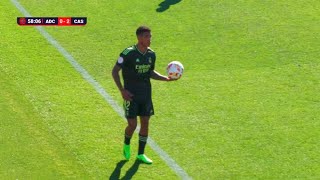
51, 21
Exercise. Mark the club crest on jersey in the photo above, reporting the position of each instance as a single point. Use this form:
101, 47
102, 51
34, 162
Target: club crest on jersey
150, 60
137, 60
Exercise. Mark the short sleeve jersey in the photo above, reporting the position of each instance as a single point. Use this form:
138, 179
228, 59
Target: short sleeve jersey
136, 67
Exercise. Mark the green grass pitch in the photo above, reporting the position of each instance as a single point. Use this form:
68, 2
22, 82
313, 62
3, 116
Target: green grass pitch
247, 106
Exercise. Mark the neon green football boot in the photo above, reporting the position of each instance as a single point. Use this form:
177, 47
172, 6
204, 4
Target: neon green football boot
144, 159
126, 151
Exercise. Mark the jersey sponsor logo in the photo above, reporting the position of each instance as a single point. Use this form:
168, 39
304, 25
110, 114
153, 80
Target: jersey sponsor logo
120, 60
143, 68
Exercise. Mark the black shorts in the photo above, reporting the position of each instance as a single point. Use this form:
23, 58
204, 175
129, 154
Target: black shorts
135, 108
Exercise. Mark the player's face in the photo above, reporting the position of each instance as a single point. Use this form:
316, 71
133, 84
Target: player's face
145, 39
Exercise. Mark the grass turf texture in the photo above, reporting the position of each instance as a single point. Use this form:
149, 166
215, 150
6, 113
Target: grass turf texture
246, 107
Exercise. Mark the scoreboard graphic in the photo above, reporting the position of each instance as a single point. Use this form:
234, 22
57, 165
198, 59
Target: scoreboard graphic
51, 21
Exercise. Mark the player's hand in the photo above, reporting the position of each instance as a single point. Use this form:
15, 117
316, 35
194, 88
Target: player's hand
170, 79
126, 95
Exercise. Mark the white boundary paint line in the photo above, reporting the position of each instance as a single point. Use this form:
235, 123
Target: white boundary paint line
170, 162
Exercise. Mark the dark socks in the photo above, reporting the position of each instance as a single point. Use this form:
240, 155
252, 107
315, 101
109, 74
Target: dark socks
142, 143
127, 139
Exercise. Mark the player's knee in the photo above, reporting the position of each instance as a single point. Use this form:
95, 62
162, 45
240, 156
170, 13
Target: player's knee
132, 125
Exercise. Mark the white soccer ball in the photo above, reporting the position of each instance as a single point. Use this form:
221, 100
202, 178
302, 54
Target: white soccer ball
175, 70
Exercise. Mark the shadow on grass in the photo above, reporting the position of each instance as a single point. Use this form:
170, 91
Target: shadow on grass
165, 5
116, 172
133, 169
129, 174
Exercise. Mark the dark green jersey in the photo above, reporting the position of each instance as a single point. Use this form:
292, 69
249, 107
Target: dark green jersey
136, 69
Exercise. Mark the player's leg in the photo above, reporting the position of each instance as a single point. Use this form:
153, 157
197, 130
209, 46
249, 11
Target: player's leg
132, 124
145, 112
143, 136
130, 110
130, 113
131, 127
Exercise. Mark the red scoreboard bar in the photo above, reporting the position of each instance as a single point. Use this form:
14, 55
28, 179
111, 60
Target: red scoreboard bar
51, 21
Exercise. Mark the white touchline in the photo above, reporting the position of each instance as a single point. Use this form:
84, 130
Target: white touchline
170, 162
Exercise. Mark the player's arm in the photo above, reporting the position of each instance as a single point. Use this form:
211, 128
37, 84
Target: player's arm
115, 74
157, 76
126, 95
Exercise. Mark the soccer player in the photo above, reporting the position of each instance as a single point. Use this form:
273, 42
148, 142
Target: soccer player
137, 63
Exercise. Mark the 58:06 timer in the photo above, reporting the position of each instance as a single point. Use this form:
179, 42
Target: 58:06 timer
34, 21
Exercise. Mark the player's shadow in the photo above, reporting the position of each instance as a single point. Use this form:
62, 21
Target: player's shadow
116, 172
165, 5
129, 174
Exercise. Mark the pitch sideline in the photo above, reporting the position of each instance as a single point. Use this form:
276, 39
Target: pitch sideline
169, 161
